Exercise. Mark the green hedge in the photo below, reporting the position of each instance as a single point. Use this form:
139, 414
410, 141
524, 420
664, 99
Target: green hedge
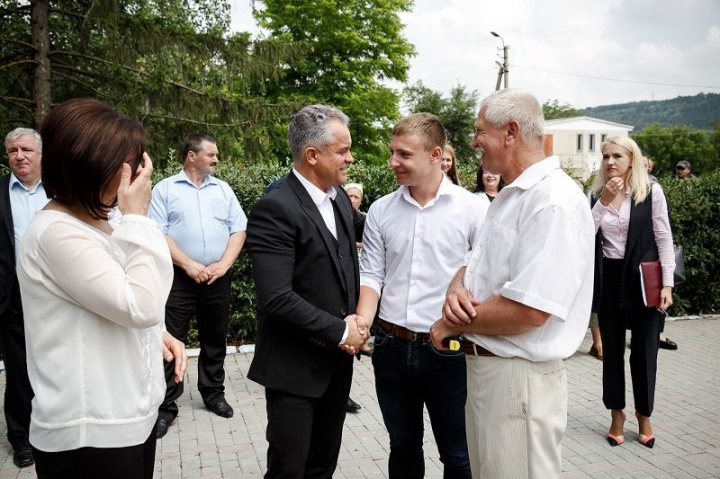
694, 206
695, 211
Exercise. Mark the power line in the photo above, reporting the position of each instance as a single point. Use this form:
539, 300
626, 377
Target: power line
617, 79
459, 78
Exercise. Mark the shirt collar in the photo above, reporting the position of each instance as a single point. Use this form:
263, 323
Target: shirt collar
535, 173
318, 196
14, 181
182, 176
447, 187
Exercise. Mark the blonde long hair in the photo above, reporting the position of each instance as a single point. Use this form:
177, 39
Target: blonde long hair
636, 180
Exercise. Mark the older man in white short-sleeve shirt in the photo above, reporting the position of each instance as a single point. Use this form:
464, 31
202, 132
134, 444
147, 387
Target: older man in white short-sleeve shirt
523, 300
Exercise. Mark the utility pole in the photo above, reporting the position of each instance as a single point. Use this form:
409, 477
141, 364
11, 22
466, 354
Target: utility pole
504, 66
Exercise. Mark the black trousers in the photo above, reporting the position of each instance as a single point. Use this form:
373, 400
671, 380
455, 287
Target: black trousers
136, 462
644, 325
18, 392
304, 434
210, 305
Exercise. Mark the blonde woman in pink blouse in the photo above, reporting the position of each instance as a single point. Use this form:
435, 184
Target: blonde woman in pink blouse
631, 220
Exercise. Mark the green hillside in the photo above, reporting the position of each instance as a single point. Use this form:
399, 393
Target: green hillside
697, 111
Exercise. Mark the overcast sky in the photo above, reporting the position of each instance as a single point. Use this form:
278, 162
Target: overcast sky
581, 52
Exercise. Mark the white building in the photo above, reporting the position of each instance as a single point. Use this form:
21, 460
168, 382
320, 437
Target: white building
576, 141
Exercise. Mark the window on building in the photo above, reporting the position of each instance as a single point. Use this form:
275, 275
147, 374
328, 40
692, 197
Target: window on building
591, 142
580, 142
603, 137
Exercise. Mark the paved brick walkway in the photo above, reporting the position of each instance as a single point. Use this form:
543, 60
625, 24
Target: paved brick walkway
202, 445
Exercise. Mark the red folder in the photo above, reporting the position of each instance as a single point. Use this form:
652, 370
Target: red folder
651, 282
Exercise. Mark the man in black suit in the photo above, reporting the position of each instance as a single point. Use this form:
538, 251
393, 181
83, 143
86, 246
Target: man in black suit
21, 194
301, 237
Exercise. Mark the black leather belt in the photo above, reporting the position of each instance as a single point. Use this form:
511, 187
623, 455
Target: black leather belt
402, 333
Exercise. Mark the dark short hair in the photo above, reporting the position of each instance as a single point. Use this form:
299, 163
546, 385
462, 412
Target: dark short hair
194, 143
85, 143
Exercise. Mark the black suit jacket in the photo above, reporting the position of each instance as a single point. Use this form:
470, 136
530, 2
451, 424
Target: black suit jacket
302, 293
8, 276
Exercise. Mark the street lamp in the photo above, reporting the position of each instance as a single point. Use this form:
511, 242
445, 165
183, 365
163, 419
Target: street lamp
504, 66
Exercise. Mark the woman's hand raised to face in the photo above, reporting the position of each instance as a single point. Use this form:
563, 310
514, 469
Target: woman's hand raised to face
613, 188
134, 194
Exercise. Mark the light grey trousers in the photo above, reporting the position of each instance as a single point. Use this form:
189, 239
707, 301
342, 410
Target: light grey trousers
515, 414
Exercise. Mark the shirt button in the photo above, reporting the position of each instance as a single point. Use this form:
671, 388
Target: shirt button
343, 312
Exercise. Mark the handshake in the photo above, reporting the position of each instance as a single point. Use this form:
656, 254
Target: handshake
358, 335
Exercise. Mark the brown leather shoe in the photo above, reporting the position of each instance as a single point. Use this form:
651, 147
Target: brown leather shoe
594, 351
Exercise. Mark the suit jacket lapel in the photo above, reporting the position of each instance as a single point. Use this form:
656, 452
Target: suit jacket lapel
5, 209
309, 207
345, 213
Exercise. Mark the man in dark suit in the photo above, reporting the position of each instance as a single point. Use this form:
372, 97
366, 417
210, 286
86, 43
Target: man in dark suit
301, 237
21, 195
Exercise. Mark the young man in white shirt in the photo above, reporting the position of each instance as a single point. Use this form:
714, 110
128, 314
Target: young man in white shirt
414, 241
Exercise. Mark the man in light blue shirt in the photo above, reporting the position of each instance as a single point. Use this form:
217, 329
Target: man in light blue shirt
205, 229
21, 195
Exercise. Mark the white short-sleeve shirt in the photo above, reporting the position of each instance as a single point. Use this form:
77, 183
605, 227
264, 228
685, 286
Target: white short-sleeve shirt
536, 247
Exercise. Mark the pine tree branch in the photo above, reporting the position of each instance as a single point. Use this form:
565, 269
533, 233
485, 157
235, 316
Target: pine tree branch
131, 69
100, 76
79, 82
193, 122
19, 42
69, 14
16, 101
19, 62
8, 11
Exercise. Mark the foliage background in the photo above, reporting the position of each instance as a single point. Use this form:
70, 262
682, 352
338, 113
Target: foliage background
694, 207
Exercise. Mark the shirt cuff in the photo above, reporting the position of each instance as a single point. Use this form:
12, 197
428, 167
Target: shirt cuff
345, 334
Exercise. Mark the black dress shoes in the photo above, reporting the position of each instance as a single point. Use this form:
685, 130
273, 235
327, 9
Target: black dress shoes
352, 406
222, 409
668, 344
161, 426
23, 457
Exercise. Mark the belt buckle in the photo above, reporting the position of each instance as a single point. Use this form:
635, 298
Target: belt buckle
414, 336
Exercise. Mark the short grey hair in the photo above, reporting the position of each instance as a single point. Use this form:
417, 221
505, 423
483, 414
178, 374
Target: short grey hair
509, 104
18, 132
311, 127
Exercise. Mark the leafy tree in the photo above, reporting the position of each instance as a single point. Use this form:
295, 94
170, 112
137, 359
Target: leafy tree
554, 110
351, 46
668, 145
419, 98
715, 139
170, 64
457, 113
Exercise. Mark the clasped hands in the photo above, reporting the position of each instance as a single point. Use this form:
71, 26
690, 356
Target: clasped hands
358, 335
206, 274
458, 310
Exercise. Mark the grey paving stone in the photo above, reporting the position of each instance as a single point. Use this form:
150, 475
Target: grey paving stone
202, 445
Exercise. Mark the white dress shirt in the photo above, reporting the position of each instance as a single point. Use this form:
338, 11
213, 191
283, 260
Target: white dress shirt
411, 252
537, 248
322, 200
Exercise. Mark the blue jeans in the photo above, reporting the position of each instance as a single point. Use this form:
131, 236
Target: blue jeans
409, 375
